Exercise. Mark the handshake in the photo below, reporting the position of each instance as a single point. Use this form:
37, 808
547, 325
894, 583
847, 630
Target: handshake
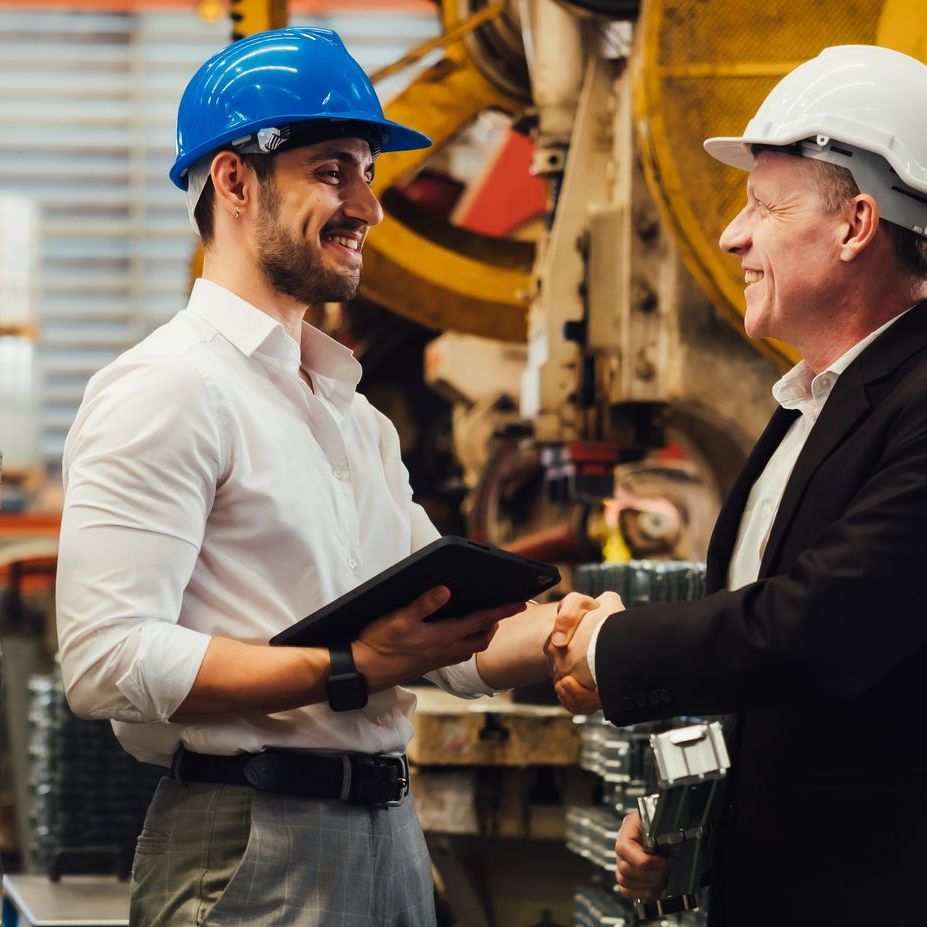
567, 648
640, 874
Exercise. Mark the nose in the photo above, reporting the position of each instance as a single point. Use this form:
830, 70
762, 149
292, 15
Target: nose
735, 239
363, 205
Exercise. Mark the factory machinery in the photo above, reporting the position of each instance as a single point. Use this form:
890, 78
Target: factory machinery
598, 354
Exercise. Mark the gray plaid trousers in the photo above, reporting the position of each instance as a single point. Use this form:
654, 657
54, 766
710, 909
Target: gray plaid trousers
228, 856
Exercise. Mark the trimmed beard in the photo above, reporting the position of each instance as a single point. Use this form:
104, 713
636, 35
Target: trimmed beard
290, 266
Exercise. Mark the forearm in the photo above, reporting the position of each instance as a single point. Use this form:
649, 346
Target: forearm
516, 655
238, 679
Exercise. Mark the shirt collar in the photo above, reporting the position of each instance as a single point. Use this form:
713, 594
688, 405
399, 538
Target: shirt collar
334, 370
806, 391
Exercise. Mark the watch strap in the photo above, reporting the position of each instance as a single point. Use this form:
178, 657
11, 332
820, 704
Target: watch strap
342, 660
346, 688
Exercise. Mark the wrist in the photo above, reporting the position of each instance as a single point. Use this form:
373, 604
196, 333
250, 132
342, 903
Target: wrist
375, 667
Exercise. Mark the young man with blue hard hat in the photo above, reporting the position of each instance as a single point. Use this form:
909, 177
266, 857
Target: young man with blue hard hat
222, 478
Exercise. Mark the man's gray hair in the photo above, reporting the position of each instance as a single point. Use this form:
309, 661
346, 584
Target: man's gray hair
836, 186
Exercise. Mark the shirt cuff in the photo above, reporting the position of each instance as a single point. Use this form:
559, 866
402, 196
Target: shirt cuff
157, 685
590, 652
462, 680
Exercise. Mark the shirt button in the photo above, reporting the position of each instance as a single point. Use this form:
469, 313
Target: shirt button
352, 562
384, 719
338, 473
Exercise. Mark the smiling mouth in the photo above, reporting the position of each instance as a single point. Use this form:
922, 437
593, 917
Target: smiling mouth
352, 244
752, 276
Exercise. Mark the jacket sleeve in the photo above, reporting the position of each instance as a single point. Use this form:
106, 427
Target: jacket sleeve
849, 609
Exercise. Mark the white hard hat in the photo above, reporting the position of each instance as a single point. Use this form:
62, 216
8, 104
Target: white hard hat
860, 106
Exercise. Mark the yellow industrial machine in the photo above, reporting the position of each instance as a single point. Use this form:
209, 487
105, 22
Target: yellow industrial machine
623, 350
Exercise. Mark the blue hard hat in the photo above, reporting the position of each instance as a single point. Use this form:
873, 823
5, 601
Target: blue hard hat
275, 80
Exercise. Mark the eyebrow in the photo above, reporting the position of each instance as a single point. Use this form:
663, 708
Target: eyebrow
347, 157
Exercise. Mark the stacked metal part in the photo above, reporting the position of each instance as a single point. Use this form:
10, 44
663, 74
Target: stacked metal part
622, 757
640, 582
89, 795
598, 908
41, 724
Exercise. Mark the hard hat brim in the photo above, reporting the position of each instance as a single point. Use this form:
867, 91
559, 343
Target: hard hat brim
733, 151
396, 137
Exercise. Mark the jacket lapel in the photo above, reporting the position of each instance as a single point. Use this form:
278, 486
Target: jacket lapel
725, 532
847, 404
844, 407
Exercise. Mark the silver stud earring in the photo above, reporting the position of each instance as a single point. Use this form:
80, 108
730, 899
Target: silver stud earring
237, 213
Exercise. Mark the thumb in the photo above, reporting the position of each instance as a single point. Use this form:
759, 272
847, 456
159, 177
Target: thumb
429, 602
569, 615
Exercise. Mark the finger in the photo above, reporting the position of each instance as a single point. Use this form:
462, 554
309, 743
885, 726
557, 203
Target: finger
610, 600
645, 885
641, 888
577, 699
429, 602
631, 828
634, 855
569, 615
654, 870
640, 885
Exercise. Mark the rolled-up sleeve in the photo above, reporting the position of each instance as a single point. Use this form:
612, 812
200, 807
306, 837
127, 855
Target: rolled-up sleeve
141, 467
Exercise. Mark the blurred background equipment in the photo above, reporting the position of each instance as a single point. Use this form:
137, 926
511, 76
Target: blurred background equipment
544, 314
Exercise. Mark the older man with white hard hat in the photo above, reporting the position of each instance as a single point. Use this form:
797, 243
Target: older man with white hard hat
814, 631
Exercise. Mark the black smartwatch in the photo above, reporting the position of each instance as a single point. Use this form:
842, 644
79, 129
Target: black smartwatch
346, 688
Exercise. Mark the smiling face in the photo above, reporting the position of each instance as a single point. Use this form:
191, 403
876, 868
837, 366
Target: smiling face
316, 210
789, 247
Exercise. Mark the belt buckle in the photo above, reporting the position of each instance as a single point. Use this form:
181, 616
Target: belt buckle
402, 782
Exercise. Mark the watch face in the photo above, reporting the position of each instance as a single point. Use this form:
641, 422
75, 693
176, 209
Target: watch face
347, 692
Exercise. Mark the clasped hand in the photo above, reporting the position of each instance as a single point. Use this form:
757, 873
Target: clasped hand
566, 649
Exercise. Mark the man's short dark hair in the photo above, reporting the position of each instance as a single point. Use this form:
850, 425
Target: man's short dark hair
204, 213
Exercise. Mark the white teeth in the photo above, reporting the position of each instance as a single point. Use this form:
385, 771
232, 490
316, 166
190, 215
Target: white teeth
752, 276
351, 243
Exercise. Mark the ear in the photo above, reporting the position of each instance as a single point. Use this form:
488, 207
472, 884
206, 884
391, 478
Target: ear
232, 180
862, 223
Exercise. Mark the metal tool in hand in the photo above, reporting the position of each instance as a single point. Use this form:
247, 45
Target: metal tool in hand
681, 819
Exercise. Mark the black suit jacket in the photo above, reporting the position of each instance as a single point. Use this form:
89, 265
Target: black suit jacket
823, 659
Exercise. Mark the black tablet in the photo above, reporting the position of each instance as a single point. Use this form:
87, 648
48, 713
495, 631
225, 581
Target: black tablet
478, 576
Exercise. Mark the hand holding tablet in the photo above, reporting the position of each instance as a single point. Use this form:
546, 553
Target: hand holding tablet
478, 578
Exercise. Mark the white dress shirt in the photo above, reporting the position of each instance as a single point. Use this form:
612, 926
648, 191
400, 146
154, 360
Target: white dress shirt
210, 491
806, 391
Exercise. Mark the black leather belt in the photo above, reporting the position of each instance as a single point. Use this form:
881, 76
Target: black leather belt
355, 778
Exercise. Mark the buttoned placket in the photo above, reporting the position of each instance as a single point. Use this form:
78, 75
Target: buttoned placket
327, 432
